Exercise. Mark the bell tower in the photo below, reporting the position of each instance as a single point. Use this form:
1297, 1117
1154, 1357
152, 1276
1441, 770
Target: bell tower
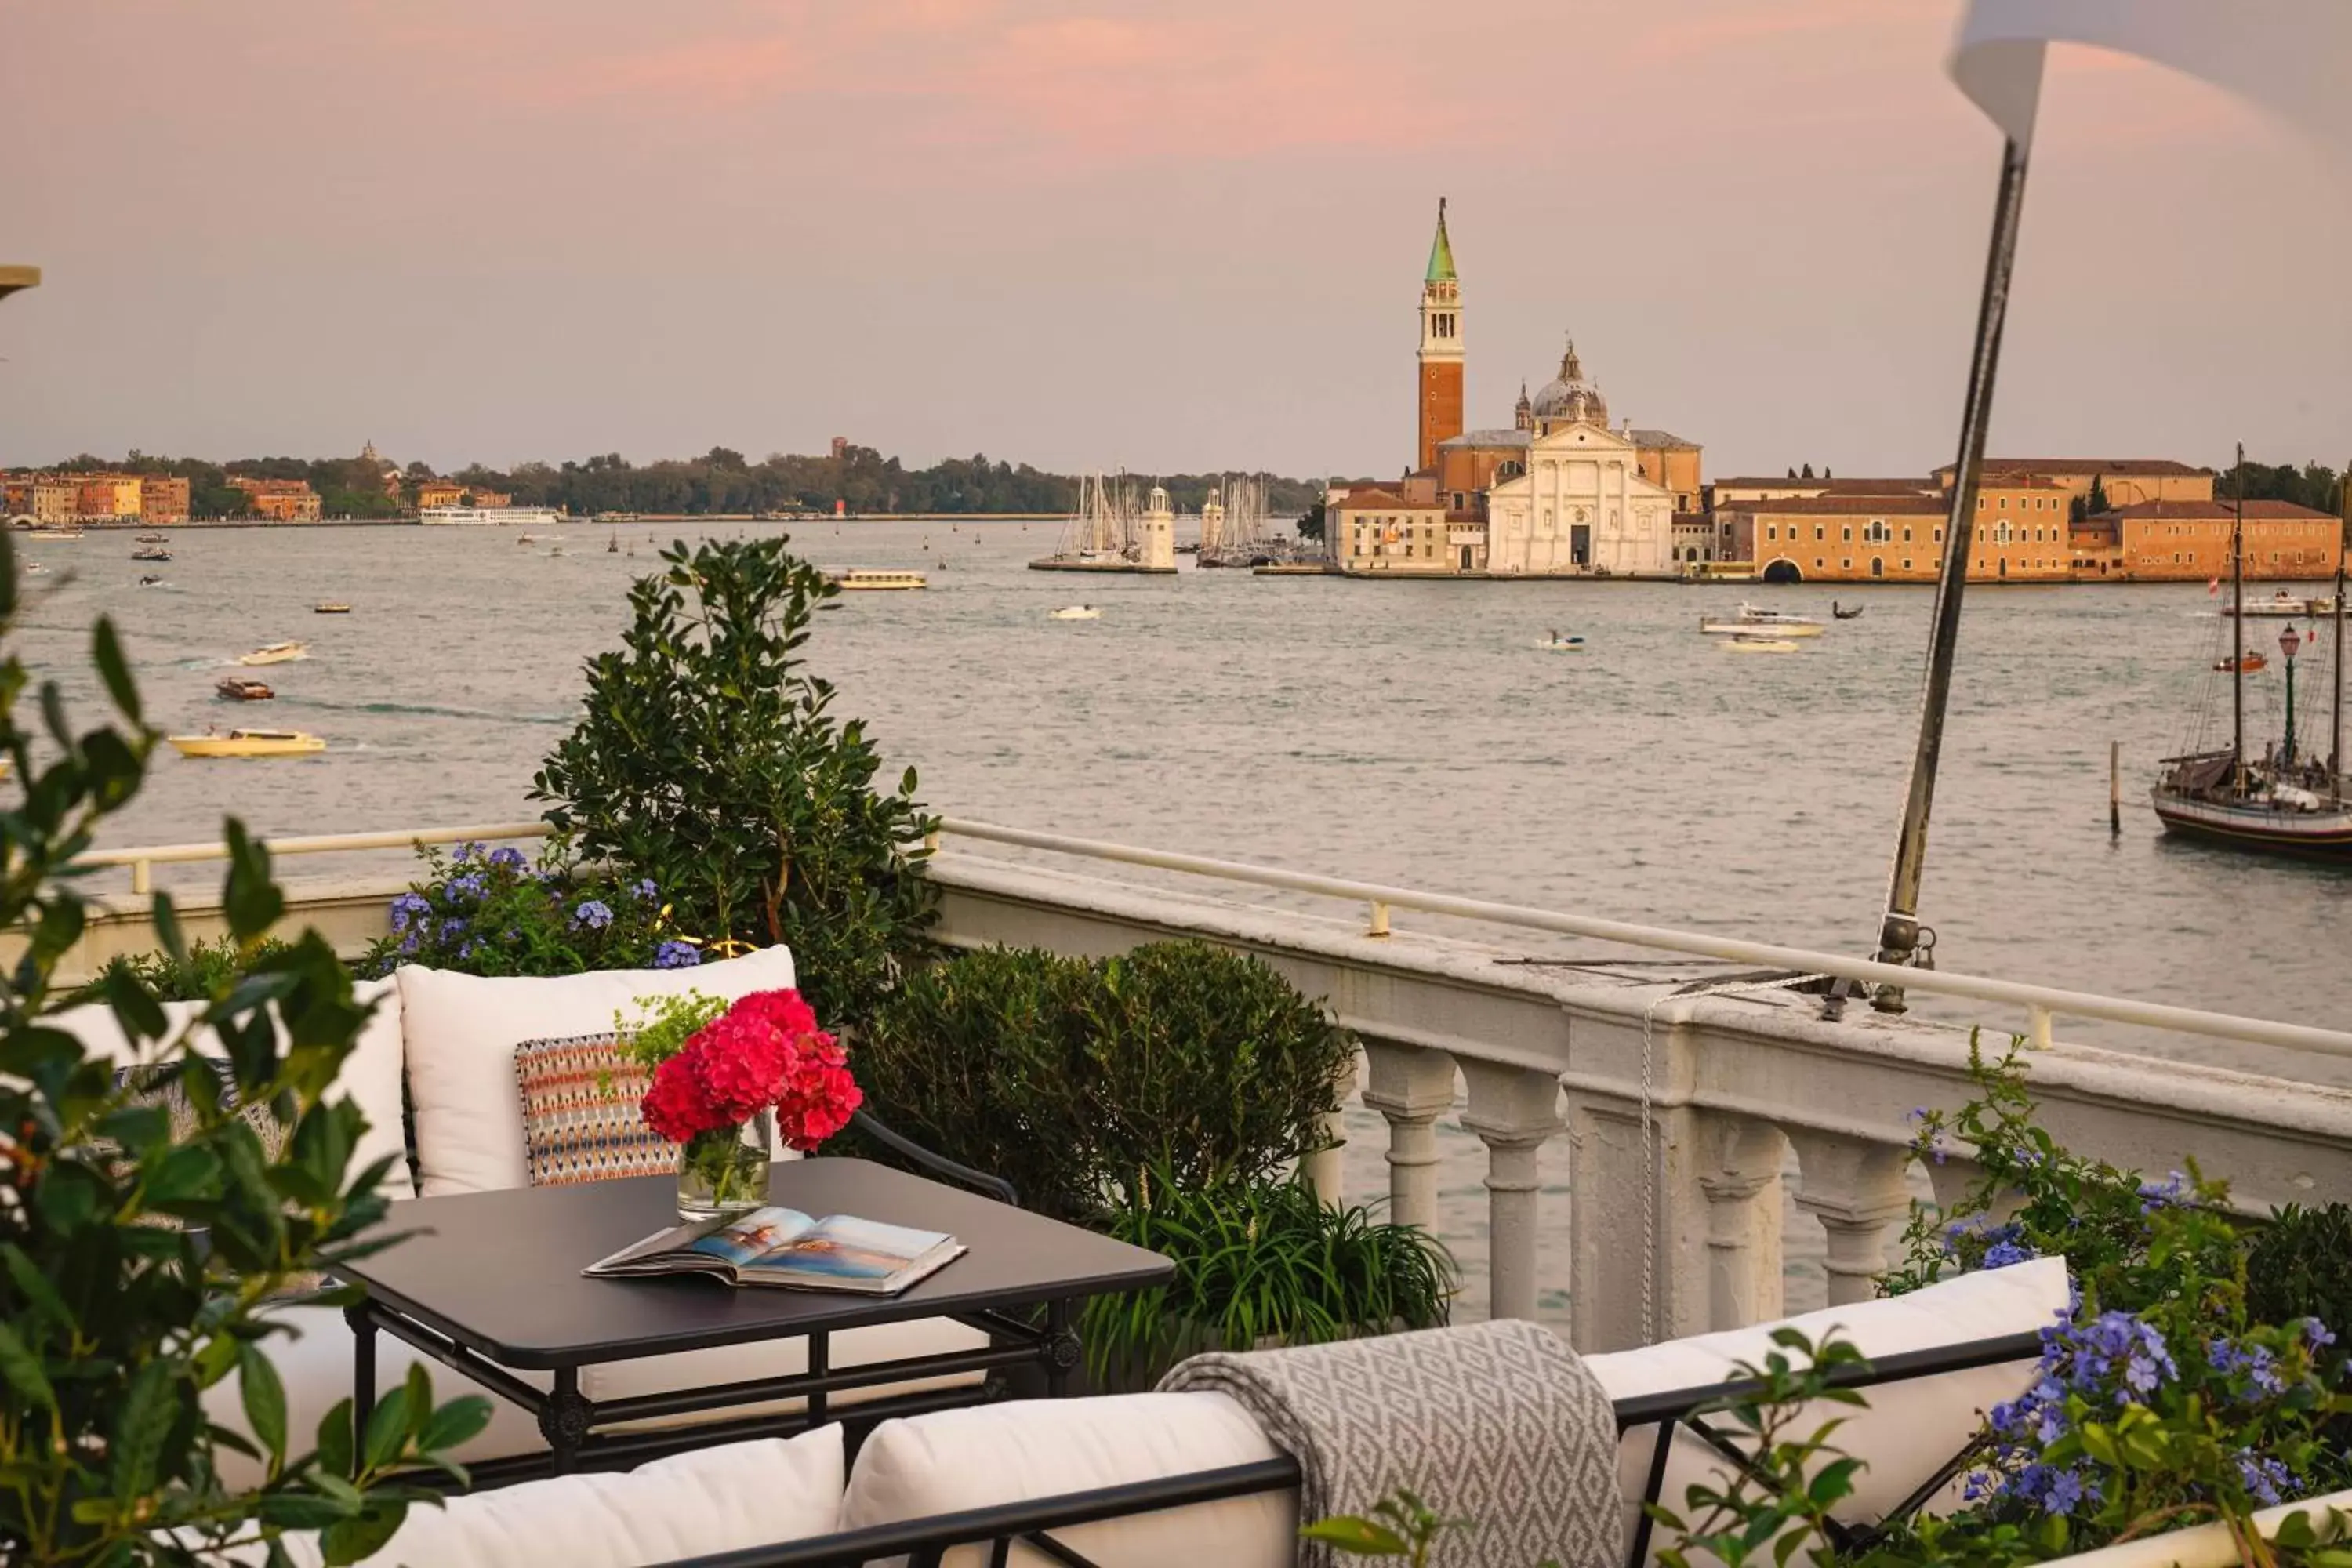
1440, 347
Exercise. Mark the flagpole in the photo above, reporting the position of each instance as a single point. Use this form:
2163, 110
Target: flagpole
1899, 931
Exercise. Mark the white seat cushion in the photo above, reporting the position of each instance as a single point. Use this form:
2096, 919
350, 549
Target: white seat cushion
958, 1460
316, 1369
1910, 1429
692, 1505
370, 1075
462, 1031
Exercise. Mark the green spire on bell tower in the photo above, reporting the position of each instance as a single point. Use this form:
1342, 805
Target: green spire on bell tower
1441, 251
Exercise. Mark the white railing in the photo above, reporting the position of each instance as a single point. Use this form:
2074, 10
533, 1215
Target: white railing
2040, 1003
144, 861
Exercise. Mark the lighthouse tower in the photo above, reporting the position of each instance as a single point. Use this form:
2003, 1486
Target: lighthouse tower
1155, 533
1440, 347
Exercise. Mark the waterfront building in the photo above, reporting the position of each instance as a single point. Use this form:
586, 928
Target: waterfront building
1837, 538
1724, 494
2118, 481
163, 498
476, 495
439, 493
1582, 505
1698, 539
106, 495
53, 501
280, 500
1378, 531
2189, 541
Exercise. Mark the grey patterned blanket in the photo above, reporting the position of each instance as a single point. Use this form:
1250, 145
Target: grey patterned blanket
1495, 1423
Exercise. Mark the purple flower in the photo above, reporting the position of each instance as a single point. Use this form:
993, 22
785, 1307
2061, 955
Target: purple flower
677, 956
2263, 1477
2163, 1194
2001, 1253
470, 886
644, 889
2316, 1335
2065, 1492
509, 857
452, 928
407, 909
592, 914
465, 852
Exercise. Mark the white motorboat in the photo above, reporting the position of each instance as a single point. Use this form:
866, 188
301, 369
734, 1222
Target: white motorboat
2282, 606
275, 653
1752, 619
1077, 613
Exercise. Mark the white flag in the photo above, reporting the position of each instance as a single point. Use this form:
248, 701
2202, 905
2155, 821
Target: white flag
2291, 57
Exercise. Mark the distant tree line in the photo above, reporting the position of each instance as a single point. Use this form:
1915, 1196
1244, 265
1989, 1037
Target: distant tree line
2314, 485
721, 481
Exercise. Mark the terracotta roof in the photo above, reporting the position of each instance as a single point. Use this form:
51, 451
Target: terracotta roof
2019, 479
1843, 506
2144, 467
2208, 510
1381, 501
1834, 486
1656, 439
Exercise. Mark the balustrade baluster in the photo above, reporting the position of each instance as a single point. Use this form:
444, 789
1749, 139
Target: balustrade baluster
1514, 1111
1413, 1086
1855, 1188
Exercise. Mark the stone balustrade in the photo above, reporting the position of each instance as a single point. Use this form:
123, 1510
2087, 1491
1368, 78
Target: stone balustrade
1685, 1109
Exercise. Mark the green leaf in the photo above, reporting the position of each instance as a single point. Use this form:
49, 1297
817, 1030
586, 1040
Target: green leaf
1356, 1535
21, 1369
350, 1539
40, 1294
336, 1448
143, 1427
113, 669
455, 1425
264, 1397
387, 1429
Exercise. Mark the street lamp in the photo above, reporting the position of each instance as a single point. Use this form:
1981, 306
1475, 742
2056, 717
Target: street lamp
2290, 644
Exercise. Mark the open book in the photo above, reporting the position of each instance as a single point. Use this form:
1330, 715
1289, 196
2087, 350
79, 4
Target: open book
785, 1247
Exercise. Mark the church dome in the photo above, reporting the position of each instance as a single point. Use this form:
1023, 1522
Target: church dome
1571, 397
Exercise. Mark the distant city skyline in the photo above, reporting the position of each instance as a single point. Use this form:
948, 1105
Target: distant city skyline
1077, 234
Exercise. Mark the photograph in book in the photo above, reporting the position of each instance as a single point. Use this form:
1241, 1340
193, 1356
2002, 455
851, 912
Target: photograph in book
783, 1246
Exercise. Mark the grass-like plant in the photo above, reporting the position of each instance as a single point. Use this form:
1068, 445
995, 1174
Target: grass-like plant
1259, 1260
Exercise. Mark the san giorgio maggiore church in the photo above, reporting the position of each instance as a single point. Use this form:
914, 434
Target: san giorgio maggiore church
1559, 493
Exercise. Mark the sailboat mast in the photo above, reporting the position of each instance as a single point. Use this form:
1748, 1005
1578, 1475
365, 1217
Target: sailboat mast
2238, 633
2343, 547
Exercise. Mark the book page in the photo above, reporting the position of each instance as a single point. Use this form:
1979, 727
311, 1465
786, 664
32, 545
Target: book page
846, 1247
749, 1236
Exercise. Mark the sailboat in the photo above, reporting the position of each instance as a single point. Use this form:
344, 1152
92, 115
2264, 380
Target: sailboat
2287, 800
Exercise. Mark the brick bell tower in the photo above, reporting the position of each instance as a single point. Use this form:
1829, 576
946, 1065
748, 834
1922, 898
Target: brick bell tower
1440, 347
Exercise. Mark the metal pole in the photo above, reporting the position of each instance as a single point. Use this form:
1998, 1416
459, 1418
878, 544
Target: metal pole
2114, 789
2238, 647
2288, 759
1898, 933
2343, 541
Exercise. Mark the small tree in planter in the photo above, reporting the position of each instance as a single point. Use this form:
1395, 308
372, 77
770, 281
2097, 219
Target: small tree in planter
135, 1263
708, 760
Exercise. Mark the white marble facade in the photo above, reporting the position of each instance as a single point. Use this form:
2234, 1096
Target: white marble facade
1582, 505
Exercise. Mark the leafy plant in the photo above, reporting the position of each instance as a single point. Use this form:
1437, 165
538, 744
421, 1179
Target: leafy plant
2300, 1266
491, 912
1070, 1078
206, 969
1399, 1525
708, 760
663, 1025
1258, 1259
133, 1268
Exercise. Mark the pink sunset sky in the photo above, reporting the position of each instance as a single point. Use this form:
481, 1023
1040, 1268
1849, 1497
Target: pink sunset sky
1158, 235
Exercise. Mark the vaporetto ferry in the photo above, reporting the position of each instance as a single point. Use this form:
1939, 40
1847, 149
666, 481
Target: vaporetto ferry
485, 516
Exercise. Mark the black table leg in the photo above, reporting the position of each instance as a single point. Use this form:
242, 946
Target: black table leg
1061, 1350
820, 1362
564, 1420
362, 1328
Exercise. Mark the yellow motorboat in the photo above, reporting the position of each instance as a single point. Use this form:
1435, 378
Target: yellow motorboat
248, 743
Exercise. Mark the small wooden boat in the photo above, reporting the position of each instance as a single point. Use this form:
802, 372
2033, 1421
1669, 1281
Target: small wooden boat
1077, 613
2248, 663
331, 608
153, 553
275, 653
237, 688
248, 743
1752, 644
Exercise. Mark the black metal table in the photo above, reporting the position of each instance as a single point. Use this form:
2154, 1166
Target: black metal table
491, 1285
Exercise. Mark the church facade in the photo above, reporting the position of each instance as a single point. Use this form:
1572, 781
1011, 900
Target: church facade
1557, 493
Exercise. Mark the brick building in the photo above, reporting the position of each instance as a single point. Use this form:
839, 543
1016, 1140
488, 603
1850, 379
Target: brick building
2190, 541
162, 499
282, 501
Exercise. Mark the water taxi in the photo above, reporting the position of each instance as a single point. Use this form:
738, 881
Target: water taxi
275, 653
860, 578
248, 743
331, 608
237, 688
1077, 613
151, 552
1558, 644
1753, 620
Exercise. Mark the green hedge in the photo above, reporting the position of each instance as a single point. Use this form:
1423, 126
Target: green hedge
1068, 1077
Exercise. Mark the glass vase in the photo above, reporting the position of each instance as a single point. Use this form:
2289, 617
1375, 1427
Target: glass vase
725, 1172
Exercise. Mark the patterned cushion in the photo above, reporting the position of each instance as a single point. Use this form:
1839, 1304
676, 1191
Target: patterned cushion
163, 1084
580, 1117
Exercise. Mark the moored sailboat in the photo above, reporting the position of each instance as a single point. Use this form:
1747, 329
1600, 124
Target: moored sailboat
2288, 799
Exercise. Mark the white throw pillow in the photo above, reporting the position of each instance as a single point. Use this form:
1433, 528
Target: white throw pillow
370, 1074
990, 1454
730, 1498
1909, 1431
462, 1031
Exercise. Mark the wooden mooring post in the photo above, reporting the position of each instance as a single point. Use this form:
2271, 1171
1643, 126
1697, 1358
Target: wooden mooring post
2114, 789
